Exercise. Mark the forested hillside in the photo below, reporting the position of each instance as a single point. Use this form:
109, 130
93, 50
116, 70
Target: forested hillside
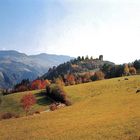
78, 67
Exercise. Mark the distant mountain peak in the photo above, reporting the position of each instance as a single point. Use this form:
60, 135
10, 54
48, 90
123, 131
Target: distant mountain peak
11, 53
15, 66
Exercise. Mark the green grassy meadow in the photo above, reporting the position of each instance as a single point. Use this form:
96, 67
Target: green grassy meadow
11, 102
102, 110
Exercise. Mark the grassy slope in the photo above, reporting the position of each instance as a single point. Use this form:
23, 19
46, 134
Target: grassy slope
11, 103
107, 109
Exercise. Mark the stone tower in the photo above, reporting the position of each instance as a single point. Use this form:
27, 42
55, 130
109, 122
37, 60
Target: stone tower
101, 57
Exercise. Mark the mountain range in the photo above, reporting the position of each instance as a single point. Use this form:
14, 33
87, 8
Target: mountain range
16, 66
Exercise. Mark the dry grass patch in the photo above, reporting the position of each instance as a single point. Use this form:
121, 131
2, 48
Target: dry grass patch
107, 109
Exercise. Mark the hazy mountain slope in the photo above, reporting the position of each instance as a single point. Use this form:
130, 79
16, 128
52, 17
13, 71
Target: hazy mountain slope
57, 59
15, 66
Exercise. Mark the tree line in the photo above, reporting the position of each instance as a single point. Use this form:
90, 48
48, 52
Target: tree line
67, 76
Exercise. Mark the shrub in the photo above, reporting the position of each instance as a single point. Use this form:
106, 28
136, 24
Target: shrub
27, 101
99, 75
68, 102
132, 70
9, 115
57, 93
126, 70
53, 107
37, 112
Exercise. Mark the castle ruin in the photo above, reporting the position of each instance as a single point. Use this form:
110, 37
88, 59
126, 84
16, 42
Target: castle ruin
101, 57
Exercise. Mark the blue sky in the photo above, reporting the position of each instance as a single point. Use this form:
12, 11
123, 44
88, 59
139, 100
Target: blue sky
72, 27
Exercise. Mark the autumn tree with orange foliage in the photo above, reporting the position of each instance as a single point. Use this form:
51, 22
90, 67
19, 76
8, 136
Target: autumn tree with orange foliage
70, 79
39, 84
27, 101
36, 84
132, 70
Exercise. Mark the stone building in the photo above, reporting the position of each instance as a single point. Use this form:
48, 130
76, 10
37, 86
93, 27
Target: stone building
101, 57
